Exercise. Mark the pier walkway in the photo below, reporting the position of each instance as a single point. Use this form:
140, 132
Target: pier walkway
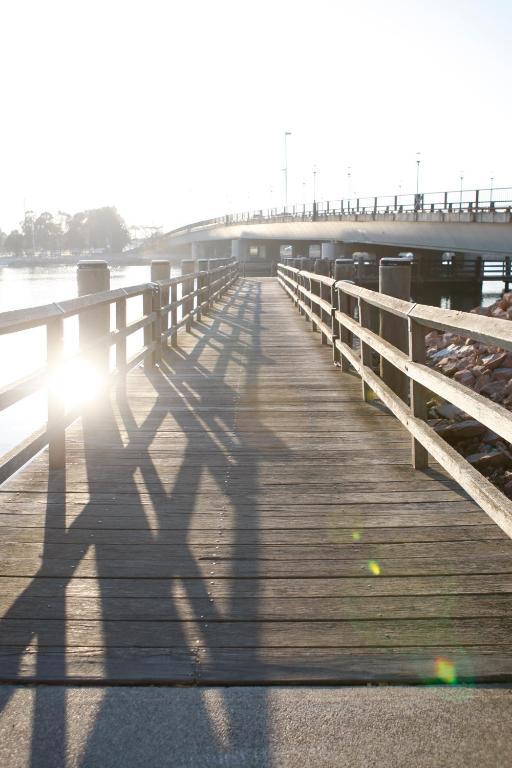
242, 516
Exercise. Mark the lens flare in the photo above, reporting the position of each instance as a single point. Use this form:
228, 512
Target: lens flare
356, 535
77, 382
374, 567
445, 671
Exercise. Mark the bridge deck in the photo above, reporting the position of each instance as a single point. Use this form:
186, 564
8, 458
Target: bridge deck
244, 516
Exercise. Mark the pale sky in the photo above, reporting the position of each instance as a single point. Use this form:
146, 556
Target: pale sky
176, 111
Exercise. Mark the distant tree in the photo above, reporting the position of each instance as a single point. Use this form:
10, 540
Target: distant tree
47, 232
107, 229
76, 236
2, 239
14, 242
28, 230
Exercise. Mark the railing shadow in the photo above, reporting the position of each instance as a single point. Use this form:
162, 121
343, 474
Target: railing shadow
134, 532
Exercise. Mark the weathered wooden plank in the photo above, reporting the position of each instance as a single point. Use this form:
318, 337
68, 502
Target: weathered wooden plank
352, 665
283, 634
188, 567
255, 536
256, 609
264, 588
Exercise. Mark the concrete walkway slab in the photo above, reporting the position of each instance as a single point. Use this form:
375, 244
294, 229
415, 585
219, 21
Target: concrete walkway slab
385, 727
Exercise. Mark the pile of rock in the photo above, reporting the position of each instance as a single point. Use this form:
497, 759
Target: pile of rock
487, 370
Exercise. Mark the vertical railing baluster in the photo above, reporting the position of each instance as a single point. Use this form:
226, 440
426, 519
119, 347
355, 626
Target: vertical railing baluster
174, 314
121, 344
345, 303
147, 309
156, 297
418, 393
366, 351
56, 405
335, 326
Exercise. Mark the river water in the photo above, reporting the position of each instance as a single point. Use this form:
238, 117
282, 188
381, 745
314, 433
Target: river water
23, 353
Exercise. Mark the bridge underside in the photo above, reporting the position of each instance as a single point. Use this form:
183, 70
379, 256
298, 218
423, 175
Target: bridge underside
244, 517
457, 236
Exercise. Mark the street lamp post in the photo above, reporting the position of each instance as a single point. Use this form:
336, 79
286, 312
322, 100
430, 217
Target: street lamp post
314, 185
460, 196
418, 161
492, 185
286, 134
349, 190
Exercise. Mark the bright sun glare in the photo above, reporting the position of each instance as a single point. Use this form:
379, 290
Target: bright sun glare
77, 382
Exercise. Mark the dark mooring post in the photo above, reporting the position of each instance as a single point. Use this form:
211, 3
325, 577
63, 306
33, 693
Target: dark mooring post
188, 267
395, 280
344, 269
94, 323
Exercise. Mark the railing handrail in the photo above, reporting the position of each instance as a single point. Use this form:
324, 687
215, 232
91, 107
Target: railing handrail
332, 315
479, 327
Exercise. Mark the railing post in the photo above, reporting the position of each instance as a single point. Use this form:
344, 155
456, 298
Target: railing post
157, 323
394, 280
93, 324
56, 404
418, 394
202, 284
365, 321
149, 330
345, 305
174, 314
121, 344
188, 266
161, 270
334, 324
321, 268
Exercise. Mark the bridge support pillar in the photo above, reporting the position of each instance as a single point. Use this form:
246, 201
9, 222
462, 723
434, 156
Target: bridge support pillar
94, 277
329, 251
196, 251
240, 250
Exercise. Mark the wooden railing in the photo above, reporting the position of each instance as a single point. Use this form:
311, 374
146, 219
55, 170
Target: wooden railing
345, 315
159, 323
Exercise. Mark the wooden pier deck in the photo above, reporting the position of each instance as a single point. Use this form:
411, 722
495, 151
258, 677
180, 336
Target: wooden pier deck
243, 516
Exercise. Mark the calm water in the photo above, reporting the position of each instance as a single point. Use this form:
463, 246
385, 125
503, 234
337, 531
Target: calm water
23, 353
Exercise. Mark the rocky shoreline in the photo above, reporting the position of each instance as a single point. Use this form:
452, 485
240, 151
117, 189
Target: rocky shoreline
487, 370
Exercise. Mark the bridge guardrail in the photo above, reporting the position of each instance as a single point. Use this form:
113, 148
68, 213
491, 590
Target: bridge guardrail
467, 202
341, 311
159, 322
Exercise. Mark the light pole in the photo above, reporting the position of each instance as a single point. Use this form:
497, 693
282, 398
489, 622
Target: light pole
418, 161
314, 184
286, 134
492, 185
461, 180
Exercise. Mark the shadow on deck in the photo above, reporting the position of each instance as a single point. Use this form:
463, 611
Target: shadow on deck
243, 517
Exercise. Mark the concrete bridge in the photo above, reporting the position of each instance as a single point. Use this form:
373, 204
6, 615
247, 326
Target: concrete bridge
474, 229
